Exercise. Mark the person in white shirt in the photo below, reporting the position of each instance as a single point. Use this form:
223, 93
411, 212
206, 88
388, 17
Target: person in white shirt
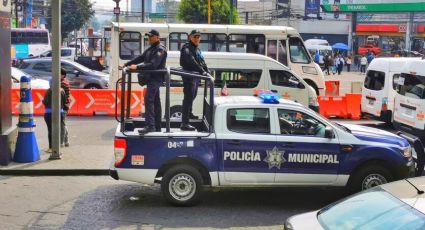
363, 63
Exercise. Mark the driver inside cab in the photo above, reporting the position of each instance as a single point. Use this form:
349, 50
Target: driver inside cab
297, 123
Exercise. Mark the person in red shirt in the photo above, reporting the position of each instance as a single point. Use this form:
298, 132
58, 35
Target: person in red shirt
65, 87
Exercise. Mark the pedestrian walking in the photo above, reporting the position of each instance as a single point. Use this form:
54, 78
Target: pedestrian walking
317, 57
191, 59
339, 63
47, 102
348, 63
153, 58
357, 62
65, 87
363, 63
327, 62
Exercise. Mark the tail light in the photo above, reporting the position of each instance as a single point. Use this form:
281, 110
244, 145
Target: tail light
384, 106
120, 150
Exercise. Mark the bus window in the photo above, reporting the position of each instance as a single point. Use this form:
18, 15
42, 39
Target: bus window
130, 45
162, 40
242, 43
297, 51
212, 42
282, 56
237, 78
272, 49
412, 86
177, 40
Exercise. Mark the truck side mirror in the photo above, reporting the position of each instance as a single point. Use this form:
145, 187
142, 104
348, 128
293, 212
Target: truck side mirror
329, 133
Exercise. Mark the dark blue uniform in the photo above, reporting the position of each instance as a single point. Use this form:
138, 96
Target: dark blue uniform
152, 59
191, 59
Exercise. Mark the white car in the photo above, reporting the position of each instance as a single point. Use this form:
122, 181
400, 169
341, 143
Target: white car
397, 205
66, 53
35, 83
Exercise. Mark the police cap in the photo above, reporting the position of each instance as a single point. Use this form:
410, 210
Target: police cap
153, 32
195, 32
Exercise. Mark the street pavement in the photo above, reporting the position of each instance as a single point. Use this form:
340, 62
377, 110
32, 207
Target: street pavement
100, 203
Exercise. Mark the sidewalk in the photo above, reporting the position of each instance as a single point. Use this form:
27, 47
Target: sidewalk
90, 151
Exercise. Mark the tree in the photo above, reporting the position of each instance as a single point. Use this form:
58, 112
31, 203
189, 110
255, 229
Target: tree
196, 11
75, 14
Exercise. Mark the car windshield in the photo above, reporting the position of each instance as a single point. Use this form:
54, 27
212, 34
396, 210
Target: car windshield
373, 209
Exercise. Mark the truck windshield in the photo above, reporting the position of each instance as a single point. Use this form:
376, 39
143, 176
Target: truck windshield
372, 209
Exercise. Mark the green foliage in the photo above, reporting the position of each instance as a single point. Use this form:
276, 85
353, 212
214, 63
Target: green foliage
75, 14
196, 11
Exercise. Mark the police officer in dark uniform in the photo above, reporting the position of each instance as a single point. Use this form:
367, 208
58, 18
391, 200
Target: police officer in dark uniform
152, 59
191, 59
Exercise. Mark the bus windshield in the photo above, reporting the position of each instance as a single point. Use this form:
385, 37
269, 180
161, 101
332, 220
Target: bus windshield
29, 37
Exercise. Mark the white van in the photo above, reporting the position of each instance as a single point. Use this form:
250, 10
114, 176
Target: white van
379, 88
409, 109
242, 73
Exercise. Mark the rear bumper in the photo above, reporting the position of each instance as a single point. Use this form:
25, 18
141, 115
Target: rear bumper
386, 116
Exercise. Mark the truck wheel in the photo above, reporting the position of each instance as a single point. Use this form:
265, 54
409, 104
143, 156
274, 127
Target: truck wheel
368, 177
182, 185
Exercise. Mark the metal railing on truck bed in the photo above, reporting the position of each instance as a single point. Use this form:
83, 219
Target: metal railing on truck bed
123, 88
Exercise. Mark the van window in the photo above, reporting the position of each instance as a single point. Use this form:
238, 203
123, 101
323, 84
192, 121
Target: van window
163, 42
177, 40
412, 86
65, 53
282, 56
271, 49
236, 78
283, 78
130, 45
297, 51
374, 80
247, 120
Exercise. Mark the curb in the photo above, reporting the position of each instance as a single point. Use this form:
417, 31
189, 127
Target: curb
54, 172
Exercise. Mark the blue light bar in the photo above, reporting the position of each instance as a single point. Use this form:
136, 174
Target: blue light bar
269, 98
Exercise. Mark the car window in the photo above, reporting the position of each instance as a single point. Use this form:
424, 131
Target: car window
412, 86
43, 66
247, 120
69, 68
283, 78
297, 51
296, 123
66, 53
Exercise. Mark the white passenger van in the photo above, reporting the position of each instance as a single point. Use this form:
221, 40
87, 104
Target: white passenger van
409, 115
379, 88
281, 43
242, 74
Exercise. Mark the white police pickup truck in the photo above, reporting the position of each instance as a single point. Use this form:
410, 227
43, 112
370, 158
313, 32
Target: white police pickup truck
259, 141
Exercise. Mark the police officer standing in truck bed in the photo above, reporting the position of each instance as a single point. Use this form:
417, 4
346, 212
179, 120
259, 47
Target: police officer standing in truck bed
152, 59
191, 59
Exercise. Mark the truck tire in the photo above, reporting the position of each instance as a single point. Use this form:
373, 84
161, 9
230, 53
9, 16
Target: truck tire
182, 185
367, 177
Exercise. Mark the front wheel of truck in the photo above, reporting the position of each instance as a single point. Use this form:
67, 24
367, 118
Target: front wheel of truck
182, 185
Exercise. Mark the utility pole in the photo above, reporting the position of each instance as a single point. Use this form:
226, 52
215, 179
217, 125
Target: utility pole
143, 11
56, 95
209, 11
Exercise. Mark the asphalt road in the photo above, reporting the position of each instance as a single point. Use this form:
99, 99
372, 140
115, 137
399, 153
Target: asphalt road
103, 203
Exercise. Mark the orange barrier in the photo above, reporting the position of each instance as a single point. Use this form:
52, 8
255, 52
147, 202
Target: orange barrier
85, 102
332, 88
347, 106
353, 105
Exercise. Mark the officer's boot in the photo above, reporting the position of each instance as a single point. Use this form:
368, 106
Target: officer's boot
147, 129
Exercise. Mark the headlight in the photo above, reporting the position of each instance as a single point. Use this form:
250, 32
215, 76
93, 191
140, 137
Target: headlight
310, 70
407, 152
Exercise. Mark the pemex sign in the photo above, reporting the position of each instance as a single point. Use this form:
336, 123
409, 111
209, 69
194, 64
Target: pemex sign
376, 6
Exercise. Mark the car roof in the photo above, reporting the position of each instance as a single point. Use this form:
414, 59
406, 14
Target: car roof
250, 100
45, 59
407, 193
390, 63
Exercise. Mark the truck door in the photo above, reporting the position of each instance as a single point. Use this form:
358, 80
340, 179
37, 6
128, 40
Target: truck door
243, 146
309, 156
